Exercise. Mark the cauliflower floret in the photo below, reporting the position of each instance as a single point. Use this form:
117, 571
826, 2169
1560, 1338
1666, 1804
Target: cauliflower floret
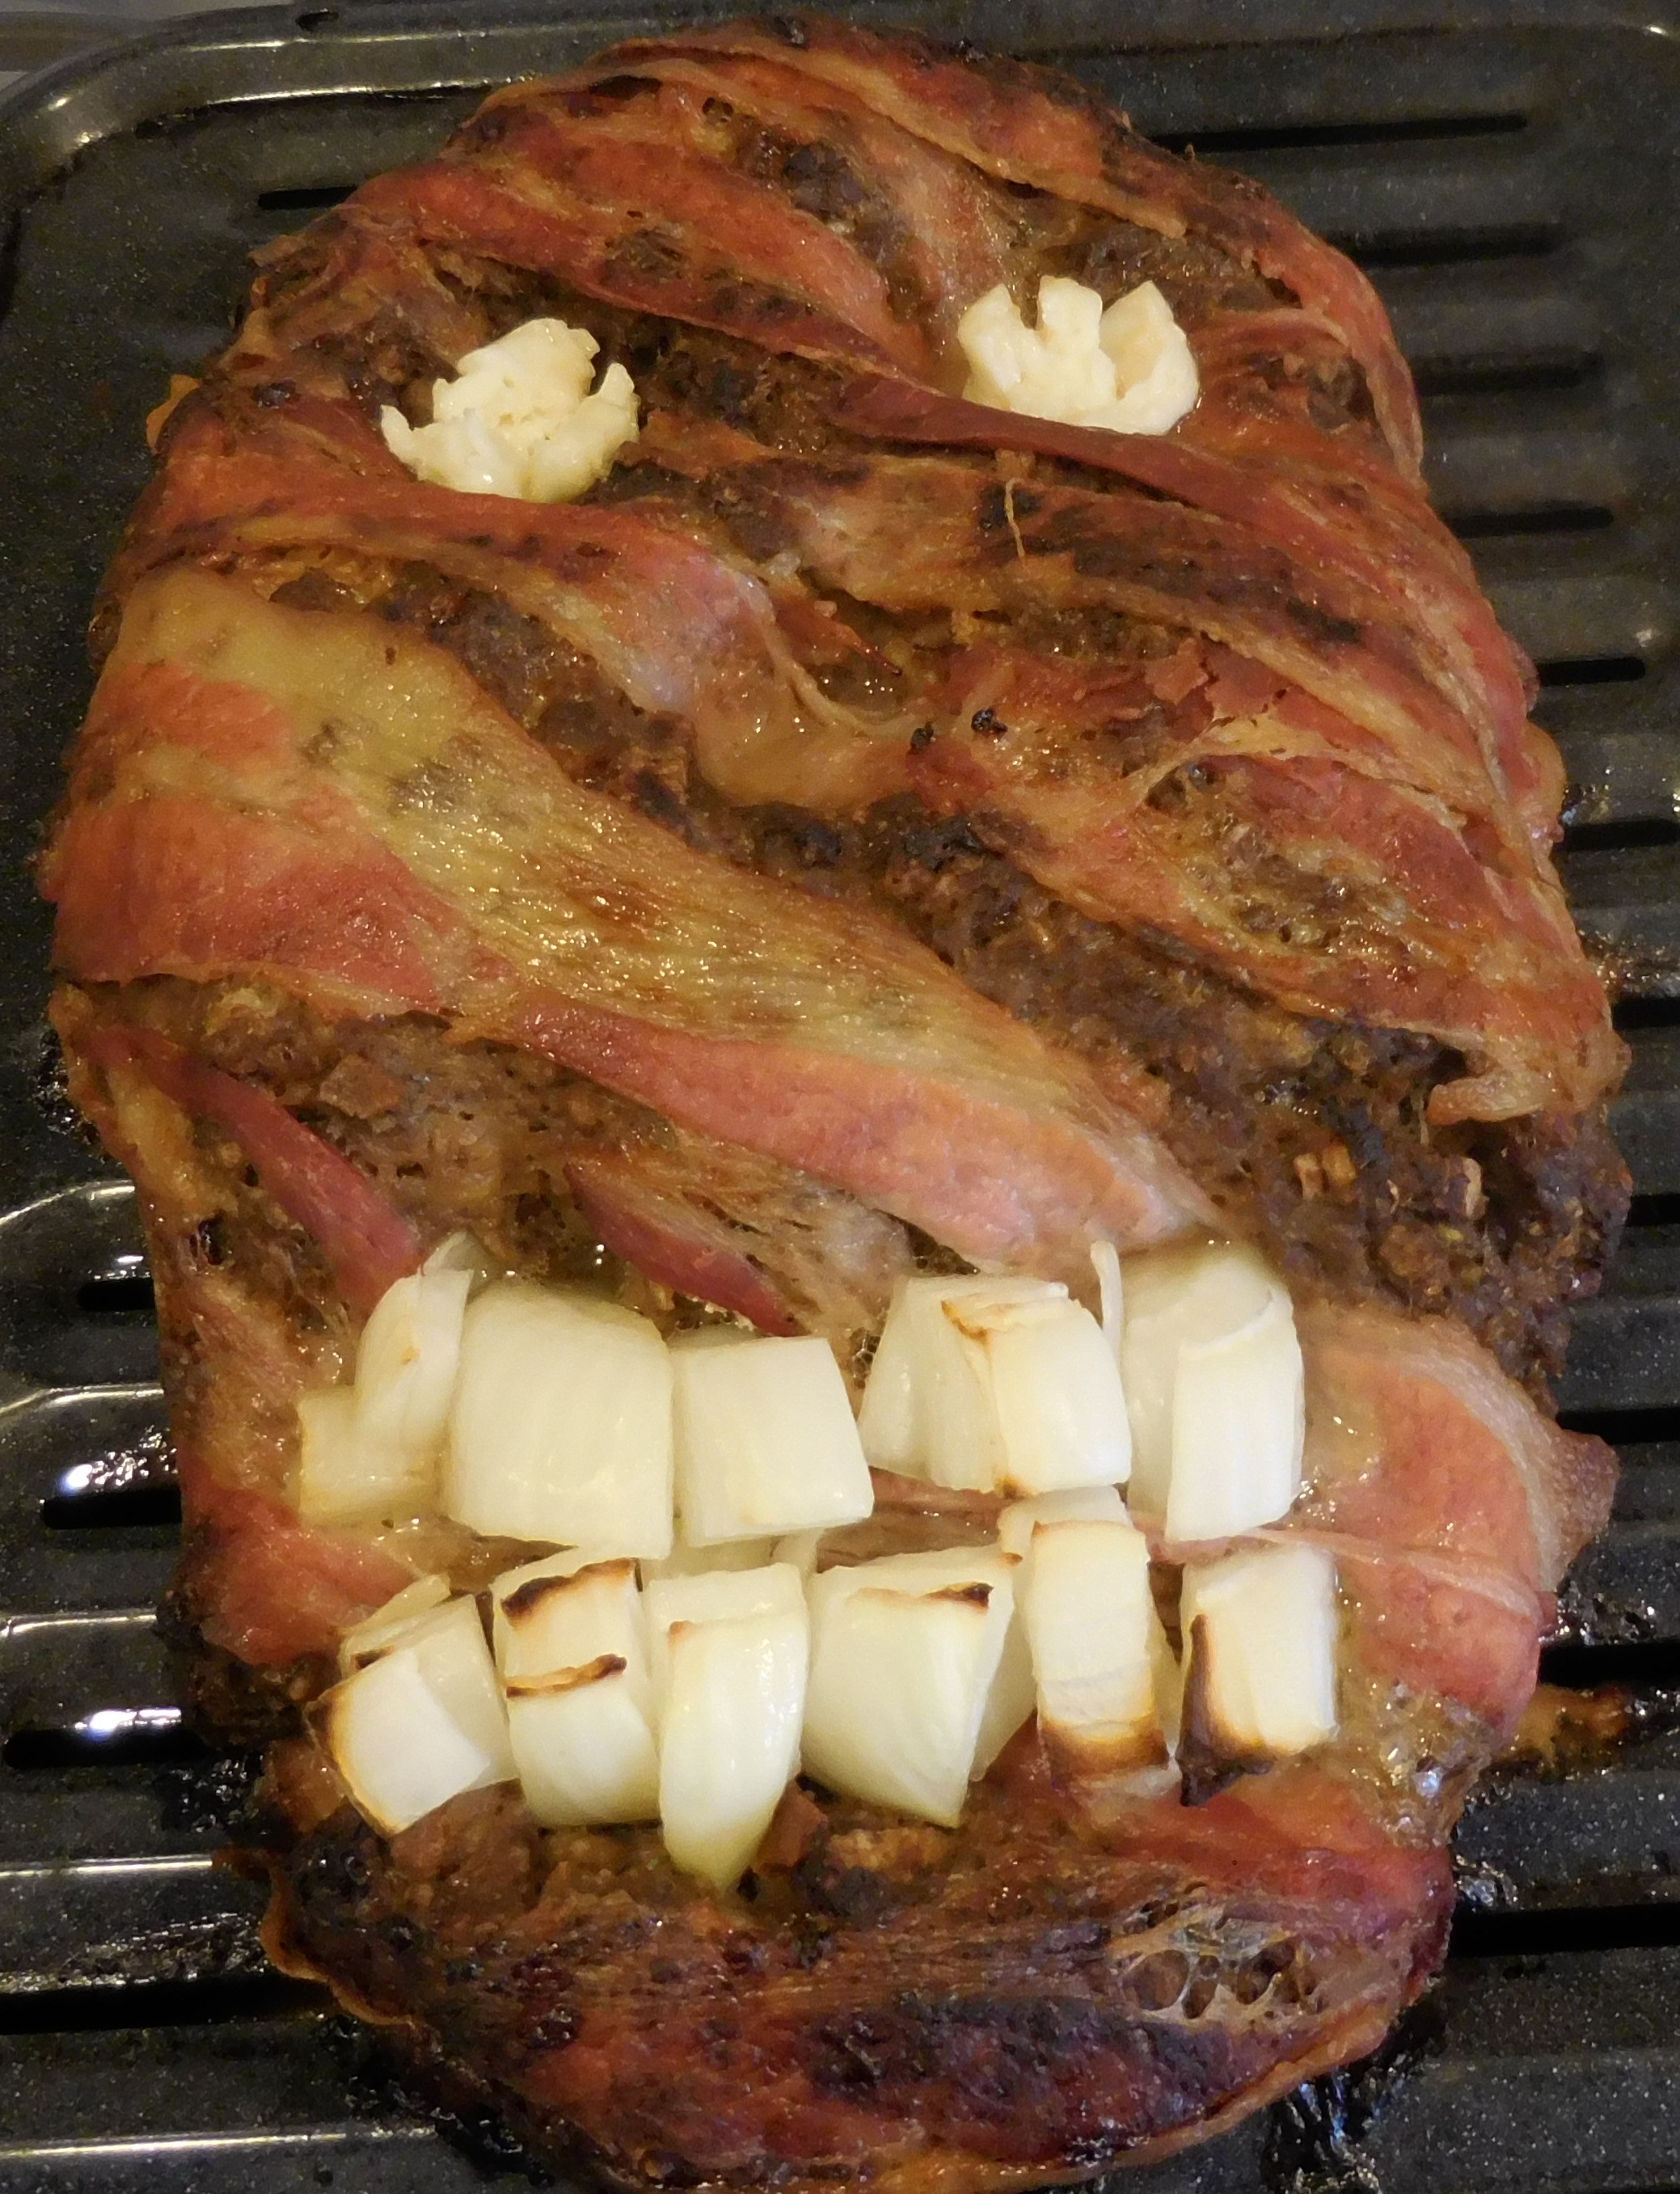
1129, 368
519, 418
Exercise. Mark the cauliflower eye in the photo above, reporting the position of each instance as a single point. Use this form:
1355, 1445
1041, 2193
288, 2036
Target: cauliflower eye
521, 419
1130, 369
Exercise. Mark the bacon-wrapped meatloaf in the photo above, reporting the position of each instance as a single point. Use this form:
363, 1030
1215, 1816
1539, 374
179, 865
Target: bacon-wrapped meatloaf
886, 855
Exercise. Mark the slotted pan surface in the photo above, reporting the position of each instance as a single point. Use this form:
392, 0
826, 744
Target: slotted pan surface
1512, 187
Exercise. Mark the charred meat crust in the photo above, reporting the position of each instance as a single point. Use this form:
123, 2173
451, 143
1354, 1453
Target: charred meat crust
1005, 1997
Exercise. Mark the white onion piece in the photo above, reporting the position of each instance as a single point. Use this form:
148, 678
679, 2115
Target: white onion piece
980, 1382
585, 1753
421, 1723
406, 1363
730, 1735
927, 1406
1010, 1699
1056, 1387
766, 1441
905, 1652
562, 1613
1074, 1503
1105, 1263
462, 1252
561, 1427
799, 1548
695, 1561
343, 1478
1173, 1296
1261, 1626
1090, 1620
376, 1633
713, 1596
1239, 1428
571, 1644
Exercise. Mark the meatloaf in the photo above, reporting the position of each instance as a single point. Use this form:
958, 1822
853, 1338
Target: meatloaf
869, 835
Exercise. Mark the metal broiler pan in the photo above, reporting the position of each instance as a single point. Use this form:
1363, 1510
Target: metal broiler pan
1513, 184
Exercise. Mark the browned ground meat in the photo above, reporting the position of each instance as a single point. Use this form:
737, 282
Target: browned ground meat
1312, 1134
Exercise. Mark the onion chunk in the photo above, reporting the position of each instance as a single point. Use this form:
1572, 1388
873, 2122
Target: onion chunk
377, 1633
1091, 1622
995, 1384
906, 1652
421, 1723
766, 1443
1261, 1626
1077, 1503
561, 1426
406, 1363
1215, 1388
730, 1650
343, 1478
572, 1646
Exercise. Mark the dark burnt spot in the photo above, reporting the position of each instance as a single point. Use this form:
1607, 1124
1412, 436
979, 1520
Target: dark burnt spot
921, 739
792, 839
851, 2060
400, 1934
647, 254
1323, 626
989, 724
1207, 1762
527, 1597
621, 88
209, 1239
273, 393
858, 1895
484, 131
337, 1876
659, 802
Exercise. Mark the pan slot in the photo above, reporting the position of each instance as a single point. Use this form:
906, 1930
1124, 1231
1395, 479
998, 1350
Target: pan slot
304, 197
1543, 518
160, 2004
1479, 1933
1313, 135
122, 1508
1592, 670
1654, 1210
114, 1737
1451, 247
1621, 837
124, 1290
1648, 1665
1631, 1015
1623, 1428
1505, 377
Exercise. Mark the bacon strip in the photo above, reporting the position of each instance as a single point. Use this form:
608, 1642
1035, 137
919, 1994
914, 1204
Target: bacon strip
1375, 550
369, 771
446, 203
368, 1244
674, 626
646, 168
268, 1587
673, 1242
1419, 1446
1027, 126
1463, 933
